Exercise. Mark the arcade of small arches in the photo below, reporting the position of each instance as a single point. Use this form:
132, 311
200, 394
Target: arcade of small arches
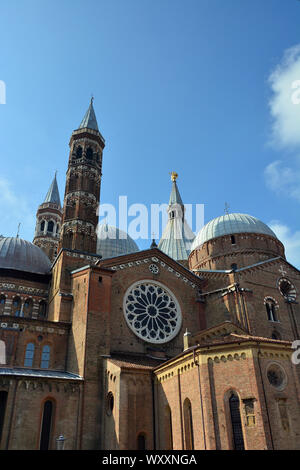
49, 227
26, 307
89, 153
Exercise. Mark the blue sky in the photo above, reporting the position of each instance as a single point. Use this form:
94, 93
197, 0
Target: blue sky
201, 87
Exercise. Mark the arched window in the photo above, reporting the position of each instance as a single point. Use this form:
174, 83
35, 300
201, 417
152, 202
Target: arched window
42, 227
232, 238
16, 307
141, 441
2, 304
271, 310
27, 308
89, 153
236, 423
3, 400
45, 357
2, 353
42, 309
79, 151
168, 428
50, 226
47, 420
57, 229
29, 355
188, 425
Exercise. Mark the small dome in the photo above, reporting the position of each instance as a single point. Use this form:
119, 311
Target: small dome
22, 255
114, 242
230, 224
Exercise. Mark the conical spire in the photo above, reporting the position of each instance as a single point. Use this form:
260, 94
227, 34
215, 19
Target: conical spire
89, 121
177, 237
175, 197
53, 193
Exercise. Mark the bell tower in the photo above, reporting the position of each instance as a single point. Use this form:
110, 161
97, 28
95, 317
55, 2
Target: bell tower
48, 222
82, 192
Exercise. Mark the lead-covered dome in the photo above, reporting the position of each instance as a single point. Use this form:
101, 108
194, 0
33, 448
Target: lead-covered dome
21, 255
112, 241
230, 224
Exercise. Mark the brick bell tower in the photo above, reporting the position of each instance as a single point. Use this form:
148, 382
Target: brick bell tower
78, 235
48, 222
82, 193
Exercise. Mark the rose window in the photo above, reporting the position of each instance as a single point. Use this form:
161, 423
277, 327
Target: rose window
152, 312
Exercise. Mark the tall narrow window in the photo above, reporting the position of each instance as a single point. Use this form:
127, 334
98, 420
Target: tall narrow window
188, 425
42, 309
79, 152
232, 239
42, 226
16, 306
45, 357
168, 429
3, 400
141, 442
50, 226
46, 425
89, 153
29, 355
236, 423
2, 304
271, 310
27, 308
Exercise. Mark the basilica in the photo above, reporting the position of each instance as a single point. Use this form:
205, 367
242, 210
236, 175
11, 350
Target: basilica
187, 345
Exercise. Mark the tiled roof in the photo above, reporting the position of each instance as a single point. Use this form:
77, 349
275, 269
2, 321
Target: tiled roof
43, 373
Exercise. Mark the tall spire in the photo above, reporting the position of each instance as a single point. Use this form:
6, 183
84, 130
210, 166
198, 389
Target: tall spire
89, 121
53, 193
177, 237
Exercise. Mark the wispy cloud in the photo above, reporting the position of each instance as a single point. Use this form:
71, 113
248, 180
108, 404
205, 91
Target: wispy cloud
284, 110
291, 241
14, 209
283, 179
284, 105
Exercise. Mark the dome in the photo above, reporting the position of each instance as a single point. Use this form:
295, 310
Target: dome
22, 255
230, 224
114, 242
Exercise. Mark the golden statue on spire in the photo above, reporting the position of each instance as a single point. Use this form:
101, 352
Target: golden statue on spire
174, 176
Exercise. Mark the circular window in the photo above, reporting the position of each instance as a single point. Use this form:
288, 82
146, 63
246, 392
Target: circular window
153, 269
109, 403
276, 376
152, 312
287, 289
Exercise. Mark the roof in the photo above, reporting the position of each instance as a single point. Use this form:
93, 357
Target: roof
128, 361
177, 237
21, 255
53, 193
111, 242
89, 121
230, 224
43, 373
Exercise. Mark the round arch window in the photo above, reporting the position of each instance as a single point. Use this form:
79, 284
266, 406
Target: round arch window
152, 311
109, 403
287, 289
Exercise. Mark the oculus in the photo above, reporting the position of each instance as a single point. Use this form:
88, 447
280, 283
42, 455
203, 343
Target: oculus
287, 289
152, 312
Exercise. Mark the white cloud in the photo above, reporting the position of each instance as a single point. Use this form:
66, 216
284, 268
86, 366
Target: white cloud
283, 179
284, 103
13, 210
290, 240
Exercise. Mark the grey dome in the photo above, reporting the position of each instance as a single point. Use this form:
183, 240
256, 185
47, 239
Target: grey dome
22, 255
230, 224
112, 242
